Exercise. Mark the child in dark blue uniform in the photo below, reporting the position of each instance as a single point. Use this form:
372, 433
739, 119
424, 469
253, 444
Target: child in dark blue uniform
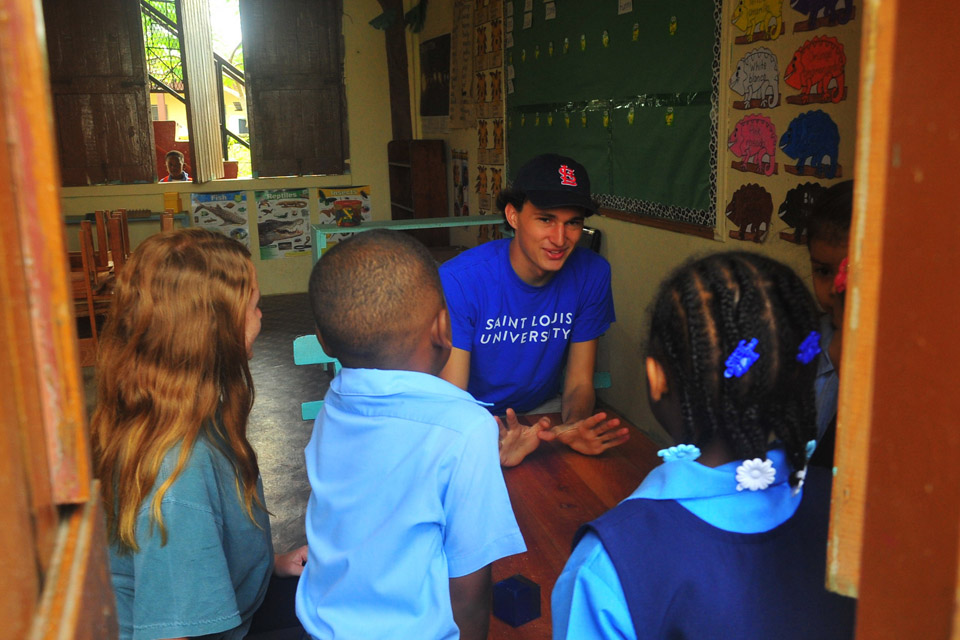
828, 238
727, 538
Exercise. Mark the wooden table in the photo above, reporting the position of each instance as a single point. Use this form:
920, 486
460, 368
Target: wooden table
553, 492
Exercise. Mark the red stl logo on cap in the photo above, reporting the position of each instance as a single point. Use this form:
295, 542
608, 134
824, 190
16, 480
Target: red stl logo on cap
567, 177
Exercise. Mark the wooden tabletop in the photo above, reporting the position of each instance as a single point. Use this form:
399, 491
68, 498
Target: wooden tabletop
553, 492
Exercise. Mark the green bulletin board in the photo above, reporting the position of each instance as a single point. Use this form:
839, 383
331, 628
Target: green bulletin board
631, 96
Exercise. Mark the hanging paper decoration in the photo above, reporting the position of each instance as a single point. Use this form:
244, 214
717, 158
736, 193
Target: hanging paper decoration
758, 20
757, 79
812, 136
754, 141
796, 208
750, 209
822, 13
820, 64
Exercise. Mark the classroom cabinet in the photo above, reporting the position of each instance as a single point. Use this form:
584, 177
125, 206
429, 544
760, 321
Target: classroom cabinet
418, 185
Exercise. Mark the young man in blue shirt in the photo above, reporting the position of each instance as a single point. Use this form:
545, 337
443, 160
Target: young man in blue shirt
526, 314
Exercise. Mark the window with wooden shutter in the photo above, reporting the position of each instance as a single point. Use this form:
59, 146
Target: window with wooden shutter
293, 57
98, 82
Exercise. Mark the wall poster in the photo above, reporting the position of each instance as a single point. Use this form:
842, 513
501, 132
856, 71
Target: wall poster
224, 212
283, 223
344, 207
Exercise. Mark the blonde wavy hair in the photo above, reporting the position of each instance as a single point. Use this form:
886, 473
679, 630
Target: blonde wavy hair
172, 367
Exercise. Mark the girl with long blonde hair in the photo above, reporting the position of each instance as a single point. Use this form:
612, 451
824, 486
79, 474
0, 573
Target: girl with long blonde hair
190, 547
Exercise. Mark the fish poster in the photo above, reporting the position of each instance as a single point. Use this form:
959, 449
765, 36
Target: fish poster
224, 212
283, 223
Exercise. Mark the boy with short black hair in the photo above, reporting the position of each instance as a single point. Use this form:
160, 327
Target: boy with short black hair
175, 167
408, 507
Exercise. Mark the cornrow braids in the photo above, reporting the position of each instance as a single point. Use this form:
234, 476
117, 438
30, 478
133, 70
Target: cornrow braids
704, 309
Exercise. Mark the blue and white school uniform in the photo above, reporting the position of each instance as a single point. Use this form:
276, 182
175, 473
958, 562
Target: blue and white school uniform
406, 493
704, 560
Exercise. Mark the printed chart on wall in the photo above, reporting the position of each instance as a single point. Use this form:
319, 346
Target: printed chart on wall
224, 212
629, 89
462, 106
489, 30
283, 223
461, 182
344, 207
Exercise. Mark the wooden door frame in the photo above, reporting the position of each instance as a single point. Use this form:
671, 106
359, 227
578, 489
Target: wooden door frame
53, 550
896, 500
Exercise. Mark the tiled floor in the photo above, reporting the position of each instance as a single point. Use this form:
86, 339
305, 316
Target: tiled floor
275, 429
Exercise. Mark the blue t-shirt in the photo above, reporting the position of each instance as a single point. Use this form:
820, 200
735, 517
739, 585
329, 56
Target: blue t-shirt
406, 493
518, 334
758, 555
211, 576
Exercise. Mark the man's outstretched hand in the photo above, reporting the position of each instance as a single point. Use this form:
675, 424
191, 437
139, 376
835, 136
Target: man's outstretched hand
518, 440
591, 436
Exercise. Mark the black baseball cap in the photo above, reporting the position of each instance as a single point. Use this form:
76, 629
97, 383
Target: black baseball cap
550, 181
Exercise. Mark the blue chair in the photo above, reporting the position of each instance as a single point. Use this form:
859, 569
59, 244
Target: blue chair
307, 350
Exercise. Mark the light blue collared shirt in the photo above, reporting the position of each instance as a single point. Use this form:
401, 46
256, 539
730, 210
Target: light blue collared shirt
588, 600
406, 493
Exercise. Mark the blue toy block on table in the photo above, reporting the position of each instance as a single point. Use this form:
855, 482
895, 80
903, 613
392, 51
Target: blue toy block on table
516, 600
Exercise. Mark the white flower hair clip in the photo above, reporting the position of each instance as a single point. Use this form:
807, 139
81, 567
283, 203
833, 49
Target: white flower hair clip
680, 452
755, 474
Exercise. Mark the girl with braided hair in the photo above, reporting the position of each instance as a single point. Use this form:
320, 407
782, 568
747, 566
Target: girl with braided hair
727, 538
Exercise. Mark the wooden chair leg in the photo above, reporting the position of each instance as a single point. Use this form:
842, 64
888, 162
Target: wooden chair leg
102, 255
89, 274
116, 243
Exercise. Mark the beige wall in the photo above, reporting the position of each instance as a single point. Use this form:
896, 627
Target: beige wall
641, 256
368, 113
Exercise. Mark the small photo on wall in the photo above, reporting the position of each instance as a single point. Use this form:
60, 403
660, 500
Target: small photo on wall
435, 76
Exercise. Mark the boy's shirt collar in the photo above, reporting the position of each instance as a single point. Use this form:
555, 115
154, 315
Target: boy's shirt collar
386, 382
